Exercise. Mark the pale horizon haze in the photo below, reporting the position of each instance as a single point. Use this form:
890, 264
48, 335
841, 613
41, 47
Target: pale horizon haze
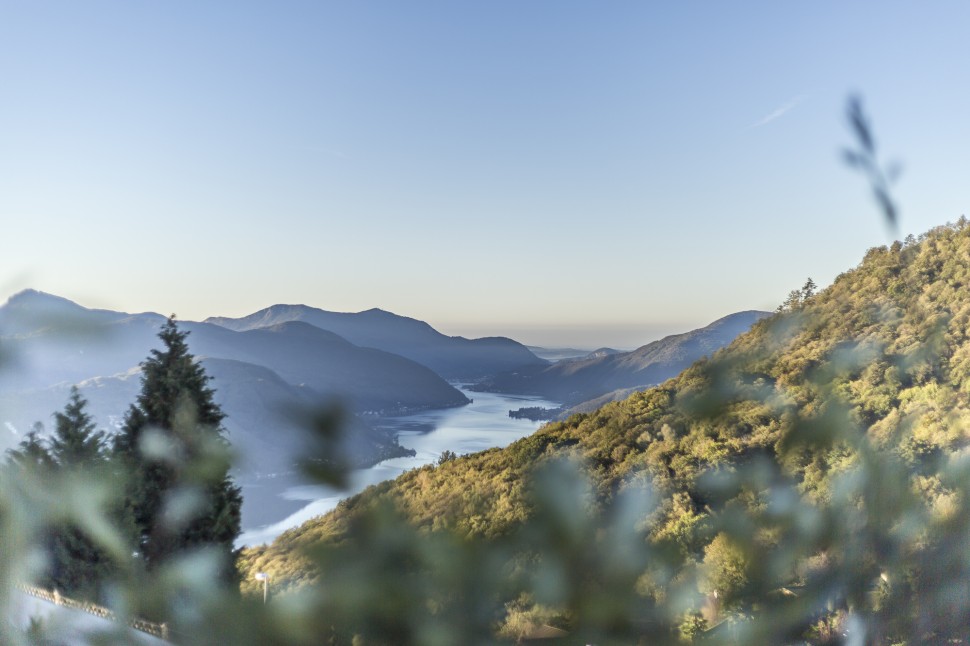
565, 173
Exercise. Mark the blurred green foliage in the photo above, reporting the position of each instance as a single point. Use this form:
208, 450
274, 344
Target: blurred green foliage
807, 484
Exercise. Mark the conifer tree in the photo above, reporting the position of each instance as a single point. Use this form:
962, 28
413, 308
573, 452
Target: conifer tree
180, 495
76, 442
31, 452
76, 565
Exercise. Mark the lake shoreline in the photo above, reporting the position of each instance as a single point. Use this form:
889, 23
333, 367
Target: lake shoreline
287, 501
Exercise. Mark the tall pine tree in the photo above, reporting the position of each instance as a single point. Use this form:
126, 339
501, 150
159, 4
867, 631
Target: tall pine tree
181, 494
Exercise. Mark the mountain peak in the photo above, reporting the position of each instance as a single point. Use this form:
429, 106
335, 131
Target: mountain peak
25, 293
33, 297
31, 311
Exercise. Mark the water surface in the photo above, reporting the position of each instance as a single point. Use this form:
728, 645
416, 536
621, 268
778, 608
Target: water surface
483, 424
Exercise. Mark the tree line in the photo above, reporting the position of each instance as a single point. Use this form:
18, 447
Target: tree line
170, 458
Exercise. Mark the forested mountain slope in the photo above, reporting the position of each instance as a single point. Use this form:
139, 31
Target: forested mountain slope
883, 353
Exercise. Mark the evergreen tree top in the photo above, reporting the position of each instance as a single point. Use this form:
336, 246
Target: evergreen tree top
172, 379
76, 440
31, 452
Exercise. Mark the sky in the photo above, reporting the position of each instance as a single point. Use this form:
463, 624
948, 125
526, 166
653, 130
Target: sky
566, 173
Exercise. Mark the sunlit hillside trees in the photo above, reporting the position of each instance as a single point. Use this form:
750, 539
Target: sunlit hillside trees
811, 475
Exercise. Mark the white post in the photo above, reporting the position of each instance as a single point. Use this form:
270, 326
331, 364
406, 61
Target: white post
264, 577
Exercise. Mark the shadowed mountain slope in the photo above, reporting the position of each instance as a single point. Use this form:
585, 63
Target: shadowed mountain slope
370, 380
260, 376
31, 311
257, 398
450, 357
69, 344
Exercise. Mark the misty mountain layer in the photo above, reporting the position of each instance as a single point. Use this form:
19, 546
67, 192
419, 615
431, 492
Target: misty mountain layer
574, 381
261, 376
452, 357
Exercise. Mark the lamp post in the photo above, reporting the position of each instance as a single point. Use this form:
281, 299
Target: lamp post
264, 577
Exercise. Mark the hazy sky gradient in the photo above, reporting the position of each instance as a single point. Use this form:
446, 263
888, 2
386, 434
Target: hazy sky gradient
492, 167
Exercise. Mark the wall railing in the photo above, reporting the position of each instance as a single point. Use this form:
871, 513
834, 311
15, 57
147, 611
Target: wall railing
155, 629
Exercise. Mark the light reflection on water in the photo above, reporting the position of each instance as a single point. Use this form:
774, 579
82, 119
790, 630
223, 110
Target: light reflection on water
481, 425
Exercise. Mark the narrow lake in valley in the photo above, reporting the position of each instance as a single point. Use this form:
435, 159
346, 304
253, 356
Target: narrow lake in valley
483, 424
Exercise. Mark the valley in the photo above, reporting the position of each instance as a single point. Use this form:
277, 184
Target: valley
822, 454
274, 370
285, 502
438, 324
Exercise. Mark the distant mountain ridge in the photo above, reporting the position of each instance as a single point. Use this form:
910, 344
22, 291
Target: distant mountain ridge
578, 380
70, 343
452, 357
263, 377
371, 380
30, 311
49, 343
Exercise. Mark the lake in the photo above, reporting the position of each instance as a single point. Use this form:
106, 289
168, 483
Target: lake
483, 424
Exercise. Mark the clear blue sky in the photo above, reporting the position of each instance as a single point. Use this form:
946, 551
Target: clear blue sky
564, 172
